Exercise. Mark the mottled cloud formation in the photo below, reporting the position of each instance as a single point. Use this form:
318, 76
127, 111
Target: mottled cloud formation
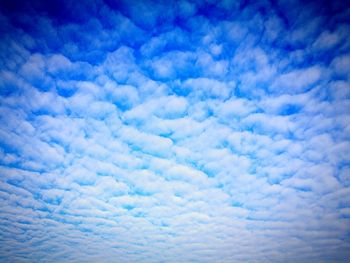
197, 131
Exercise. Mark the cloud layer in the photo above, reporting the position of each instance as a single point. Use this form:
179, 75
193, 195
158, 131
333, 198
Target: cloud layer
199, 131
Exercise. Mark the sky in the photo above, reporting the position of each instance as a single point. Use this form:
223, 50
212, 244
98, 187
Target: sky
174, 131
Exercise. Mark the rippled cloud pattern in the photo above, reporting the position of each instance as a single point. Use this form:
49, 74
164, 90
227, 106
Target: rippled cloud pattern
174, 131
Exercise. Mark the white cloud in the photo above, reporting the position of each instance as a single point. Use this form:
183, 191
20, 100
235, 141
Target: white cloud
204, 142
341, 65
297, 81
204, 87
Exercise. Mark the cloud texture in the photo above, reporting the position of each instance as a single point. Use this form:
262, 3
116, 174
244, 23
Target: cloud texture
202, 131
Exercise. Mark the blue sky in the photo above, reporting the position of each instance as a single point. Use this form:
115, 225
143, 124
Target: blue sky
185, 131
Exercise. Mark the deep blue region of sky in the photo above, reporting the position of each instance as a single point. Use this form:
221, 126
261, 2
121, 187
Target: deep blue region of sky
174, 131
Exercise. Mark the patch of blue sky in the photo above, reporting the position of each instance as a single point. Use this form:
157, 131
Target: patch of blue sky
181, 131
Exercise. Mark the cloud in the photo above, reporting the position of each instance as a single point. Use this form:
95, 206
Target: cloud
341, 65
205, 87
212, 131
297, 81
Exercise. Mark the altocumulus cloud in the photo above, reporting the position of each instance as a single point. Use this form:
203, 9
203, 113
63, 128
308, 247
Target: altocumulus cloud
185, 131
